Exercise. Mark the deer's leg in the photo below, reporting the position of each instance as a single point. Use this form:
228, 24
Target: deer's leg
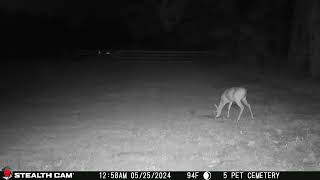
244, 100
241, 109
230, 104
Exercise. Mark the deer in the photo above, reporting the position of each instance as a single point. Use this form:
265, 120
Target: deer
233, 95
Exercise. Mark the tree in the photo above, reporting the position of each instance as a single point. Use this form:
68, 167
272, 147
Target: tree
304, 51
170, 12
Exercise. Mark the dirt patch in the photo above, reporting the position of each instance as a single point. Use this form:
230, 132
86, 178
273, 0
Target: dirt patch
159, 117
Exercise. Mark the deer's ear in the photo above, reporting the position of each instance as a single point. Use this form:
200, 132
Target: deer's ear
216, 106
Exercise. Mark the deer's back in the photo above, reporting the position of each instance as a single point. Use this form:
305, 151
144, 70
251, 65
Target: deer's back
234, 94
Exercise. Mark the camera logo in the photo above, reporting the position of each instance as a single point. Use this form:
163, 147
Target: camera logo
6, 173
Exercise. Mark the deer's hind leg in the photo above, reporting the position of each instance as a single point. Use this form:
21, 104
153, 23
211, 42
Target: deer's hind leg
244, 100
241, 109
229, 107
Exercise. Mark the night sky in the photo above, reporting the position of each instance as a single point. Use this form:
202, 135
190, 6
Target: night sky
61, 24
33, 6
138, 24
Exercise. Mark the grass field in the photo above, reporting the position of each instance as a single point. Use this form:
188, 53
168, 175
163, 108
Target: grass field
155, 116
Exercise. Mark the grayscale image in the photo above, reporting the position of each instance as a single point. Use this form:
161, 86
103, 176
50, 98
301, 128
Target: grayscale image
160, 85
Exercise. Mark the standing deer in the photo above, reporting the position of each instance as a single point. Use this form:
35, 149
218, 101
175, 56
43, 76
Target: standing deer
234, 94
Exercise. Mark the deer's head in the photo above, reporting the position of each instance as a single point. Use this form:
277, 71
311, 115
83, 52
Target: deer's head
217, 111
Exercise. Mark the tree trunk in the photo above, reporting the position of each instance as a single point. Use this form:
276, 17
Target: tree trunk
314, 25
304, 50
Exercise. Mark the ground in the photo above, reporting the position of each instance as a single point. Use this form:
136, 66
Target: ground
93, 115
